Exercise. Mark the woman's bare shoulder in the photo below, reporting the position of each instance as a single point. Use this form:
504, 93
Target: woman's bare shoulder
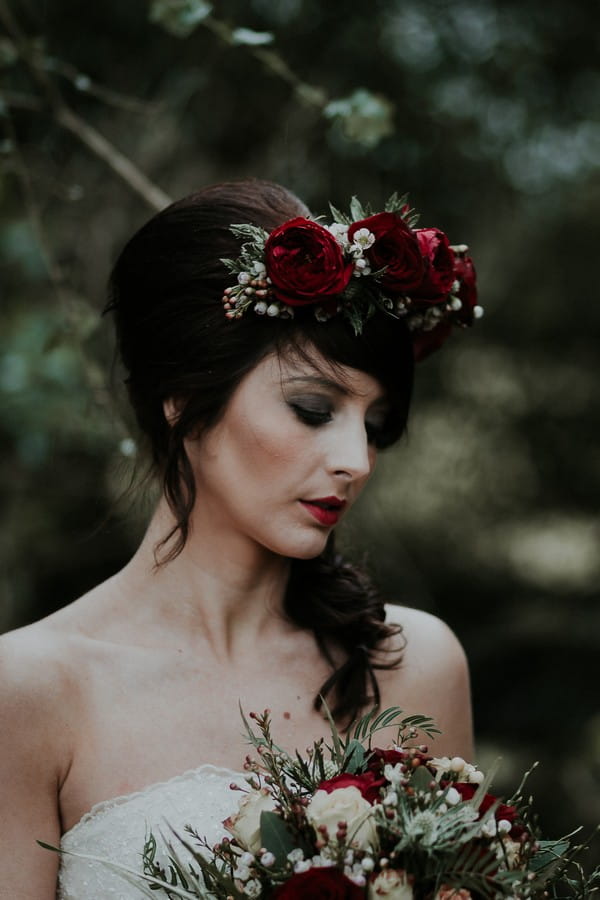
432, 677
35, 665
41, 663
425, 637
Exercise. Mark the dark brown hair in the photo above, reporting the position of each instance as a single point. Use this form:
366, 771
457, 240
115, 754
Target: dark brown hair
175, 342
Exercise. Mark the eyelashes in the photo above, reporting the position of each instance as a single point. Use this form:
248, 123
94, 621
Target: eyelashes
316, 417
313, 417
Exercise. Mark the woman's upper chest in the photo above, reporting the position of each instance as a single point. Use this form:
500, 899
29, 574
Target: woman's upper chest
144, 716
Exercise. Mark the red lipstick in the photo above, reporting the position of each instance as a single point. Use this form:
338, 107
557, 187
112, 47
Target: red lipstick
326, 510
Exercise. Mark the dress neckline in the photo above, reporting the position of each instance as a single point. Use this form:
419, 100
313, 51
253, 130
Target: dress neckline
104, 805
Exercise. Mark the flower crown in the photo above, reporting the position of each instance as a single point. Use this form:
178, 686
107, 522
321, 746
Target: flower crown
358, 265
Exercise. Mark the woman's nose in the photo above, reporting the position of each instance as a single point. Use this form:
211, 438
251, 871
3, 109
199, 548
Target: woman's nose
352, 455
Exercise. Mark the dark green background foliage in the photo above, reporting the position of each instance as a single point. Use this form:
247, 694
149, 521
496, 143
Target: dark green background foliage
487, 112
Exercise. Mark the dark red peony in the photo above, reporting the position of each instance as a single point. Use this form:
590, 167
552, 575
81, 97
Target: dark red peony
305, 263
319, 884
368, 784
439, 265
396, 249
464, 273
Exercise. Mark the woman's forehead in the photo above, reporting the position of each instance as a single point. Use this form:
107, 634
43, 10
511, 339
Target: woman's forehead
309, 367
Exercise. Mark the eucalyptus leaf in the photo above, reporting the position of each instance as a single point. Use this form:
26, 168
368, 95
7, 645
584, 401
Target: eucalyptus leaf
354, 757
275, 837
356, 209
420, 778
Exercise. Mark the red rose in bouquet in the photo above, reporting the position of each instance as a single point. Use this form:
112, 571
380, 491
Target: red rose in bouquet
368, 784
305, 263
464, 273
395, 248
379, 758
319, 884
439, 265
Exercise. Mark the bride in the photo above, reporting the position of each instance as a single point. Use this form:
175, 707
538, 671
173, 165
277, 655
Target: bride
263, 431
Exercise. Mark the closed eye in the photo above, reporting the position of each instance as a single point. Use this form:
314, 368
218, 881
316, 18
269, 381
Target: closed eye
313, 417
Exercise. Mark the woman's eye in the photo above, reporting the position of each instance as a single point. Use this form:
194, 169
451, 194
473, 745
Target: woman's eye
311, 416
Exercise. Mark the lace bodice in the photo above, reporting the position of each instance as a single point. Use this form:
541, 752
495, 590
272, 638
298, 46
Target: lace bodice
115, 829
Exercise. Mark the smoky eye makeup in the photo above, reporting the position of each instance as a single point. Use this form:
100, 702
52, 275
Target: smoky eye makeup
313, 410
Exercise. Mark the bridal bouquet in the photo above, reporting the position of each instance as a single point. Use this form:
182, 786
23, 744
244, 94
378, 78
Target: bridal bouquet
350, 821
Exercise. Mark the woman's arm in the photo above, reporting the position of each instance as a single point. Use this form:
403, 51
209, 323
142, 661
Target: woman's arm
433, 679
32, 744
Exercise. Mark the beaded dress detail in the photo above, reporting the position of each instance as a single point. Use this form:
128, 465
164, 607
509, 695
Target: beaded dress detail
115, 830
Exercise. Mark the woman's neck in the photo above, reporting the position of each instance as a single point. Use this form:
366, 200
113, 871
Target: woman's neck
223, 587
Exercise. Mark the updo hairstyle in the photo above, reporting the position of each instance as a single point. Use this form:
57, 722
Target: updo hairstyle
175, 342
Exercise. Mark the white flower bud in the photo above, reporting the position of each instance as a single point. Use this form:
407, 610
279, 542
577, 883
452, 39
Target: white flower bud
489, 828
253, 889
452, 796
242, 873
457, 764
272, 310
302, 866
455, 304
476, 777
260, 307
244, 278
477, 312
504, 826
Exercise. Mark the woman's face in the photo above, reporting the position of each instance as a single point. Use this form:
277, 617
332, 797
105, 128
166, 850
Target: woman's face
290, 455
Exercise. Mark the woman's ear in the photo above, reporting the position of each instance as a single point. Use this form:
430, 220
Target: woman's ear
172, 407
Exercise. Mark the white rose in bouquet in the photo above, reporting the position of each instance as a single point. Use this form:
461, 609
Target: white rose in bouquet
393, 884
345, 804
245, 824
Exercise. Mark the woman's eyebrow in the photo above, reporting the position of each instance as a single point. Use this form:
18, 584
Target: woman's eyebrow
322, 381
319, 380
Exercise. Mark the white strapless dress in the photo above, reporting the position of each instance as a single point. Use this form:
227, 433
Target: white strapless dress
115, 829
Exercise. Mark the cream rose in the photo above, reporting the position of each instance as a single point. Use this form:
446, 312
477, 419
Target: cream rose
245, 824
393, 884
452, 893
347, 805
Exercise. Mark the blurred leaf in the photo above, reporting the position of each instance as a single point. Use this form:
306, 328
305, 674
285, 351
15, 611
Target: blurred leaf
8, 53
251, 38
179, 17
366, 118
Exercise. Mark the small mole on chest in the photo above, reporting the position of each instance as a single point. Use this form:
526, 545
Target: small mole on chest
287, 715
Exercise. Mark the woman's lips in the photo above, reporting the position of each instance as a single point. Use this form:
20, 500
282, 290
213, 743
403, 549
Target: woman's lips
326, 510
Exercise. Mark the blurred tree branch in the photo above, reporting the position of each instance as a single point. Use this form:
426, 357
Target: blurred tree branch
65, 116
